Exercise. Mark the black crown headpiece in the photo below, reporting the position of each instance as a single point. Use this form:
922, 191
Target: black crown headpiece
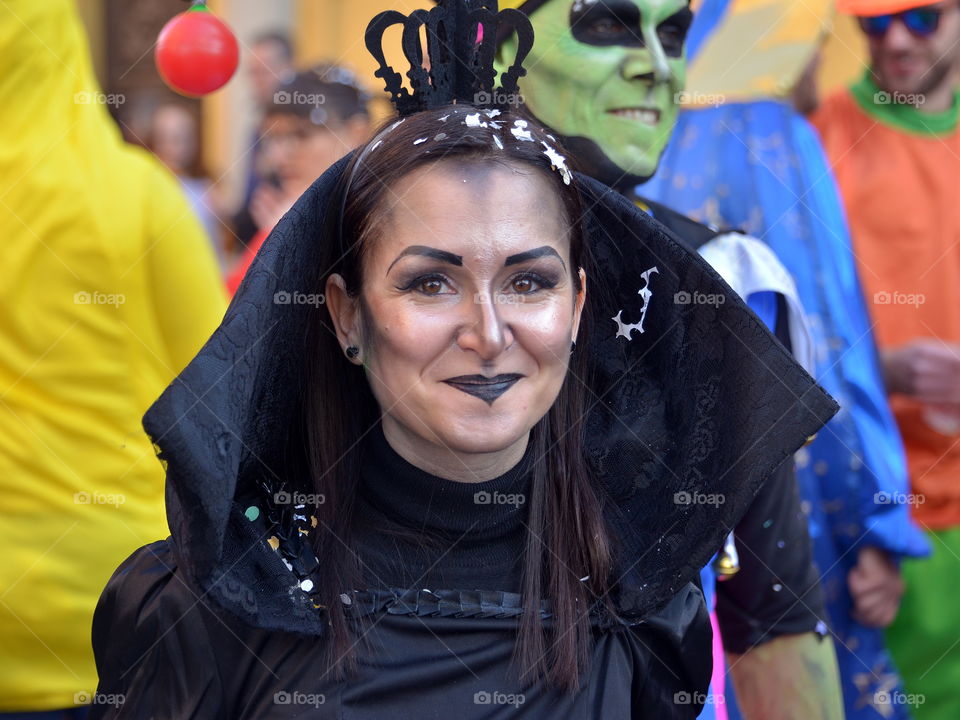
461, 54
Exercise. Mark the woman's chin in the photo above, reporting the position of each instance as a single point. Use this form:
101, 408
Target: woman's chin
479, 433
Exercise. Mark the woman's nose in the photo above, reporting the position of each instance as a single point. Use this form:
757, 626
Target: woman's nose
484, 331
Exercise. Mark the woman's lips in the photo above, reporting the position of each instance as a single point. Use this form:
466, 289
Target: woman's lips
487, 389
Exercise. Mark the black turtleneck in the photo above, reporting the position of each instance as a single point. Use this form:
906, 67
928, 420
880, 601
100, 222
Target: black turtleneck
416, 530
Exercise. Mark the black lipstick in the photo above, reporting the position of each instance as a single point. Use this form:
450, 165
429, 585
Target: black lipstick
487, 389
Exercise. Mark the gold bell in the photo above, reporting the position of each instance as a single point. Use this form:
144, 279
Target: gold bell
727, 562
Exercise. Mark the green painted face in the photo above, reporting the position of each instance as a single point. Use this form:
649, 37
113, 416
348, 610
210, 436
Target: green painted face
604, 74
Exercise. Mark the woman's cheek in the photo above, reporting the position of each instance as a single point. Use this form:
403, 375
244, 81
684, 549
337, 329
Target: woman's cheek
413, 334
546, 331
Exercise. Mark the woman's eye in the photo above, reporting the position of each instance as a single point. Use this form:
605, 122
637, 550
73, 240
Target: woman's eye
428, 285
523, 285
431, 287
527, 284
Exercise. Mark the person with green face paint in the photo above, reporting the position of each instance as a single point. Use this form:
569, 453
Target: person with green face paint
606, 76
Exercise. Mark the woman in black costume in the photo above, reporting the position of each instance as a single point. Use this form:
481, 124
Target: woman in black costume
434, 464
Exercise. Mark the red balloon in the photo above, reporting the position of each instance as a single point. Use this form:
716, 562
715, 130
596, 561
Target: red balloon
196, 52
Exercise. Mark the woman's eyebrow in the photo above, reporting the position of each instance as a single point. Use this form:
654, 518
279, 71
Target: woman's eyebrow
442, 255
532, 255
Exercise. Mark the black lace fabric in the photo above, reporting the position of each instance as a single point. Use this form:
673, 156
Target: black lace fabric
703, 403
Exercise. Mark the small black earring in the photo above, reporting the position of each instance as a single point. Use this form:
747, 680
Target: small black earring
352, 352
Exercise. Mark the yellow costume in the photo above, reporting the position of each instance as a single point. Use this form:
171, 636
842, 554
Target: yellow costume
107, 288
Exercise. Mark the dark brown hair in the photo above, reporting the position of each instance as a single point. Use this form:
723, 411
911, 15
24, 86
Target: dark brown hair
324, 95
567, 538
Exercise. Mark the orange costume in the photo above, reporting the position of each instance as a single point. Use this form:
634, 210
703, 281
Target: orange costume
899, 173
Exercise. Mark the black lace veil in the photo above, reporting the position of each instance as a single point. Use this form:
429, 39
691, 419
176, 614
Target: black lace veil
687, 418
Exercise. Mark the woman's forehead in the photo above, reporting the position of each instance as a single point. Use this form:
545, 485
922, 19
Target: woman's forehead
480, 211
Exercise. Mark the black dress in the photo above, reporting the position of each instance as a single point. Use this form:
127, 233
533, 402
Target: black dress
220, 621
437, 625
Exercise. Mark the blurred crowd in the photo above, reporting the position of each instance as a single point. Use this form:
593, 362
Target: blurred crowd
305, 118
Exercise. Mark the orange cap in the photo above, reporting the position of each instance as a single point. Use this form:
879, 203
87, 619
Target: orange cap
867, 8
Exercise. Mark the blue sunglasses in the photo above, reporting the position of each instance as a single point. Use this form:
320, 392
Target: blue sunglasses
921, 22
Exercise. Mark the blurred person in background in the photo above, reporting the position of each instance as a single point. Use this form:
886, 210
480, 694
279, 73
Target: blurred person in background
269, 64
894, 144
109, 288
174, 137
743, 157
312, 121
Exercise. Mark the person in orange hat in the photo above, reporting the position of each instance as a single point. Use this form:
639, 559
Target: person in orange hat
894, 144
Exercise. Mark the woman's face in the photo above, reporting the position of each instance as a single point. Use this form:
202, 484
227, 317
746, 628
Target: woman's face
468, 307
